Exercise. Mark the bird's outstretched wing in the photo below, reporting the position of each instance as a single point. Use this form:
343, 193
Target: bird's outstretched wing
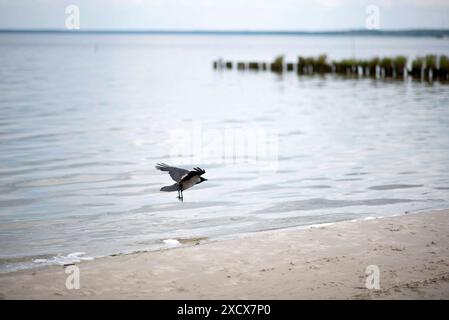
195, 172
175, 173
199, 171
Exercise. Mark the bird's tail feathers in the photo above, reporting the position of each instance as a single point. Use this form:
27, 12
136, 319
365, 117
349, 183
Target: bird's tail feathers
173, 187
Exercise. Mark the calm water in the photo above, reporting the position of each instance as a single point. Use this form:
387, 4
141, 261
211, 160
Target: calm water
84, 118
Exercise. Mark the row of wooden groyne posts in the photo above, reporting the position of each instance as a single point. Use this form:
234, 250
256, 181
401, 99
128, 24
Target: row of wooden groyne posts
430, 67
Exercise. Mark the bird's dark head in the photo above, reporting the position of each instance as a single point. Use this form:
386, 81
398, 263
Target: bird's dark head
202, 179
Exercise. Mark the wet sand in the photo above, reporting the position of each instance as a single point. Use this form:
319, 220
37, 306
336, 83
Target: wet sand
322, 262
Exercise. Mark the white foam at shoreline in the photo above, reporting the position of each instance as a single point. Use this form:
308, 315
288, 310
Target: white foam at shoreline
171, 243
62, 260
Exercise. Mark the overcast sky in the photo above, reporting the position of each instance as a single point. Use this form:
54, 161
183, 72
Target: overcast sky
224, 14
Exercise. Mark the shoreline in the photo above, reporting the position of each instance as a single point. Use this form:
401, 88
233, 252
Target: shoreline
56, 260
183, 243
317, 262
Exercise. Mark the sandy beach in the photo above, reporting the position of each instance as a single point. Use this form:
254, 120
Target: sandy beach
321, 262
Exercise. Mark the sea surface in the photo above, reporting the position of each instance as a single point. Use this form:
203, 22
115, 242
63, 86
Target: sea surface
85, 117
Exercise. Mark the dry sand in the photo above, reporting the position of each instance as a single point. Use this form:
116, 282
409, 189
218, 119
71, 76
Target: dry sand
327, 262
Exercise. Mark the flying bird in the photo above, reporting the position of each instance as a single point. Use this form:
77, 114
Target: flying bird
184, 179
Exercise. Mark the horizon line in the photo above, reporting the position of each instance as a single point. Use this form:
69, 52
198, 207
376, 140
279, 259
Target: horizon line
433, 32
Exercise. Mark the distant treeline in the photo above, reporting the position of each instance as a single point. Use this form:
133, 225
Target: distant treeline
430, 67
437, 33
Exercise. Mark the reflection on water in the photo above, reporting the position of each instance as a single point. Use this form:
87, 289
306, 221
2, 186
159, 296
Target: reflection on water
83, 120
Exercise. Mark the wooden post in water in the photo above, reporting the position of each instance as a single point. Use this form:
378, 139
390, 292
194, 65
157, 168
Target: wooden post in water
387, 67
253, 66
372, 65
364, 65
301, 65
337, 67
400, 62
310, 62
346, 67
240, 66
321, 65
278, 64
443, 70
417, 68
430, 67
